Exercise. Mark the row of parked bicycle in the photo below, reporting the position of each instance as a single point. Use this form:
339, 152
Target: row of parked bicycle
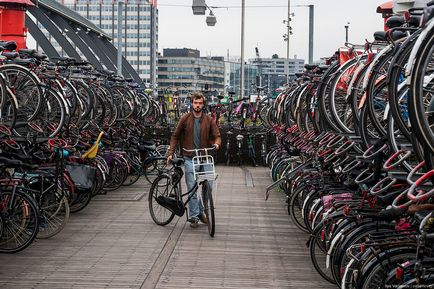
67, 133
355, 158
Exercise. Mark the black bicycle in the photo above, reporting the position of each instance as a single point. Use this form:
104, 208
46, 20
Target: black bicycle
166, 198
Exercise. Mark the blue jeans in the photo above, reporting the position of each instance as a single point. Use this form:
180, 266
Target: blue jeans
195, 207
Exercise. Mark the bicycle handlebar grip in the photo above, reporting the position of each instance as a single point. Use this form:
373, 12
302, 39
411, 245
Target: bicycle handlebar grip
344, 147
388, 166
420, 196
413, 171
359, 179
366, 154
335, 141
375, 192
397, 200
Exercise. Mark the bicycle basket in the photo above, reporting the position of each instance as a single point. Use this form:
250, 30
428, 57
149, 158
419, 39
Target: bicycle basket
82, 175
203, 168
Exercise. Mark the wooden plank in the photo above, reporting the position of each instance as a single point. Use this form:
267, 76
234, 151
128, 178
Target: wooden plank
115, 244
160, 264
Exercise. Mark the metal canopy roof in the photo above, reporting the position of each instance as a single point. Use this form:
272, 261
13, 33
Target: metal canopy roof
71, 15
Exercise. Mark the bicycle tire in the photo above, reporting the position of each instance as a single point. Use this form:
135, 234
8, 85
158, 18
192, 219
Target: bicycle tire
421, 116
26, 87
295, 208
162, 186
315, 242
80, 200
154, 167
208, 207
26, 212
378, 269
54, 212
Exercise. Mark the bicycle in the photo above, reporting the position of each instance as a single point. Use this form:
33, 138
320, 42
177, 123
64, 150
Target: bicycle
229, 134
166, 197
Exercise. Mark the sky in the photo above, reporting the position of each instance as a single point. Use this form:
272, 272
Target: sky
179, 28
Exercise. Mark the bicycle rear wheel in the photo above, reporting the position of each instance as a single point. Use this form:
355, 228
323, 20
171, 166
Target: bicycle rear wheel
21, 221
208, 207
161, 187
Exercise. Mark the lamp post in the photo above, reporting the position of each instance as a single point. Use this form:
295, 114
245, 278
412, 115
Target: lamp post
119, 68
243, 8
287, 41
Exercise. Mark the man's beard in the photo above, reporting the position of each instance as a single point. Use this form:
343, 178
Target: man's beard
197, 109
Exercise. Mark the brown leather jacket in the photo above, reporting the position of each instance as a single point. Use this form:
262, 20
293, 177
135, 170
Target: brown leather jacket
209, 133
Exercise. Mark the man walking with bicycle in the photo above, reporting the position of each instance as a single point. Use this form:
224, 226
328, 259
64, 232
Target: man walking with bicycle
195, 130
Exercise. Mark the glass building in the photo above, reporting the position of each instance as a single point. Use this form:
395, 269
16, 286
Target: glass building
183, 70
232, 78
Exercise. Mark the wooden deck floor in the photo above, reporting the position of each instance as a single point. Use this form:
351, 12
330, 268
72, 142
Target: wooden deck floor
115, 244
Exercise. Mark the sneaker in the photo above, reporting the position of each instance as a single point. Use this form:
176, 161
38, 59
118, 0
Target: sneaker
194, 222
203, 218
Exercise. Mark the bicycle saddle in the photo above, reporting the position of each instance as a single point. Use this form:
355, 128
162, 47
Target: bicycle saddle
8, 45
10, 163
146, 148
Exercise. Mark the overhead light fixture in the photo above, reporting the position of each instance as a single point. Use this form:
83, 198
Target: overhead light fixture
199, 7
211, 20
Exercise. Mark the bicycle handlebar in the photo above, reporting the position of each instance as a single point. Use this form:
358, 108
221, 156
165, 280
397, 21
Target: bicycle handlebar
200, 150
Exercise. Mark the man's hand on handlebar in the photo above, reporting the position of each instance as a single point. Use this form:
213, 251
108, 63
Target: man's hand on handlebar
169, 159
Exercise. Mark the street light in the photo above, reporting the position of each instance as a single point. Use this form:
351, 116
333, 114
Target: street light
211, 20
119, 37
346, 31
199, 7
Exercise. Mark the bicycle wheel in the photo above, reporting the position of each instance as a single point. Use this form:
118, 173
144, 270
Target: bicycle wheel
154, 167
26, 87
54, 214
208, 207
80, 199
318, 252
20, 221
162, 186
421, 100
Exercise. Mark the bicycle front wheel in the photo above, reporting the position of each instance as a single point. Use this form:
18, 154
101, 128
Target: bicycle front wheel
208, 207
161, 187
